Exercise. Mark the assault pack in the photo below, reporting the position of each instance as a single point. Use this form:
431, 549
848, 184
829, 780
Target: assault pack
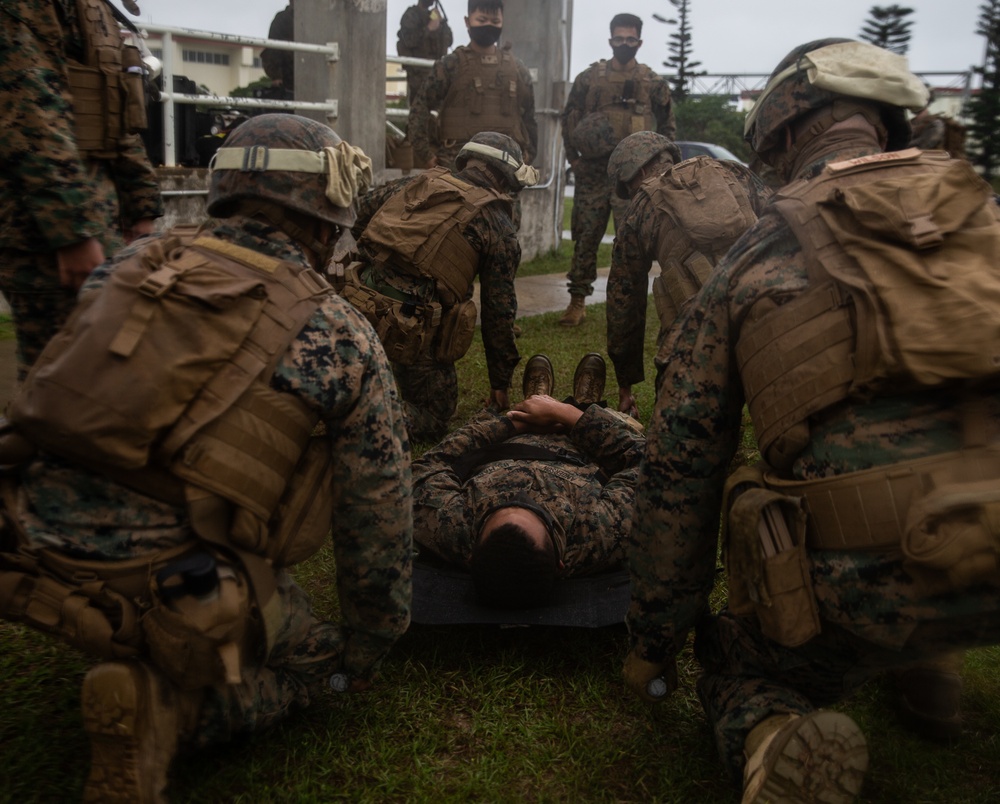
706, 210
160, 381
417, 233
904, 295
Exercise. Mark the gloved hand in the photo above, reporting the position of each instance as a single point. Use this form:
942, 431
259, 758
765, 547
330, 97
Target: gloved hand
651, 681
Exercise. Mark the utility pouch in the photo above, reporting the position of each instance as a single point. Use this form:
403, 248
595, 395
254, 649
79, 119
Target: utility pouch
196, 630
135, 90
952, 536
302, 520
93, 619
402, 327
96, 101
766, 560
458, 325
666, 309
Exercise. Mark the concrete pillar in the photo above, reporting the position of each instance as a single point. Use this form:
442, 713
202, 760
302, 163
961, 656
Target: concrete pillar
539, 31
357, 79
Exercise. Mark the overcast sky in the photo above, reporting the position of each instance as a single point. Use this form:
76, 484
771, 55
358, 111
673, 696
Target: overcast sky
729, 36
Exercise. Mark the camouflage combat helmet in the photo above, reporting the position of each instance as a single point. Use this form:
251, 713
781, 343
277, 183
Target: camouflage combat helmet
819, 73
503, 154
594, 136
633, 153
291, 161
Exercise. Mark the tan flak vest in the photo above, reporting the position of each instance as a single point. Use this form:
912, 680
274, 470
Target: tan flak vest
904, 293
418, 232
623, 96
160, 381
107, 87
486, 94
704, 211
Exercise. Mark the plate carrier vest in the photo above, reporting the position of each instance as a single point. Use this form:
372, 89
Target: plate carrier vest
623, 96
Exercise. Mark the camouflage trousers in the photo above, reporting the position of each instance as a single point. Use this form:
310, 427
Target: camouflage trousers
429, 390
306, 653
39, 305
748, 677
593, 203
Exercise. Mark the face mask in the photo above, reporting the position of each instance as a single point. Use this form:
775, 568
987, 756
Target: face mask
485, 35
624, 54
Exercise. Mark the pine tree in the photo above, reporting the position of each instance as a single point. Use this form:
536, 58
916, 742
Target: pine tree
888, 28
984, 108
680, 51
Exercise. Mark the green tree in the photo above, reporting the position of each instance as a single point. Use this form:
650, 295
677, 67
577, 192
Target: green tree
888, 27
984, 108
680, 48
712, 119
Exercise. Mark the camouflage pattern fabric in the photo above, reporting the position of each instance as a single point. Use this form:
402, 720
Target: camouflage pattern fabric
592, 520
693, 435
635, 249
430, 389
337, 367
50, 195
431, 96
414, 39
593, 195
594, 202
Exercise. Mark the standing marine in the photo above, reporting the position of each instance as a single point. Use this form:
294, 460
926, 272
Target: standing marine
477, 87
685, 215
609, 100
423, 33
210, 415
861, 333
422, 242
76, 183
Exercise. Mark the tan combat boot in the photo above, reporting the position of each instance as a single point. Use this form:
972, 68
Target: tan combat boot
807, 759
539, 377
575, 313
134, 717
589, 378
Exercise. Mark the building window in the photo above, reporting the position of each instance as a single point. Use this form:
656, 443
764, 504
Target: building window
256, 63
204, 57
157, 52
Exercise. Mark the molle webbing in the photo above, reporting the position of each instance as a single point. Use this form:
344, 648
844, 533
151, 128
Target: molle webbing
483, 96
98, 85
622, 96
794, 361
418, 231
868, 510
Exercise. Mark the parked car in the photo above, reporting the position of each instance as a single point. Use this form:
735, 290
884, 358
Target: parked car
689, 149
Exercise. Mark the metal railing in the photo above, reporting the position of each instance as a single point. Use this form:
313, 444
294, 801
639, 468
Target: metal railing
170, 98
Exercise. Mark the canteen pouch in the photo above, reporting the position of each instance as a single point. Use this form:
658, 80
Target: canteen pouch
458, 326
196, 630
767, 562
952, 537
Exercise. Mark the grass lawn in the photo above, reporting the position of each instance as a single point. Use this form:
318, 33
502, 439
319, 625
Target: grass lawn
480, 714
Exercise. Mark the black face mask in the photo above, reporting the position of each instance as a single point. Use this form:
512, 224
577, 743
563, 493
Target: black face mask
624, 54
485, 35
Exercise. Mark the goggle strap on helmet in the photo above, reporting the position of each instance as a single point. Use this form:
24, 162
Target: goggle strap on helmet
526, 175
348, 169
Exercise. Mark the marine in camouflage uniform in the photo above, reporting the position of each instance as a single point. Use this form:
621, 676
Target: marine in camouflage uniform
451, 90
337, 368
57, 203
418, 39
759, 695
645, 98
645, 159
279, 65
429, 387
588, 494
